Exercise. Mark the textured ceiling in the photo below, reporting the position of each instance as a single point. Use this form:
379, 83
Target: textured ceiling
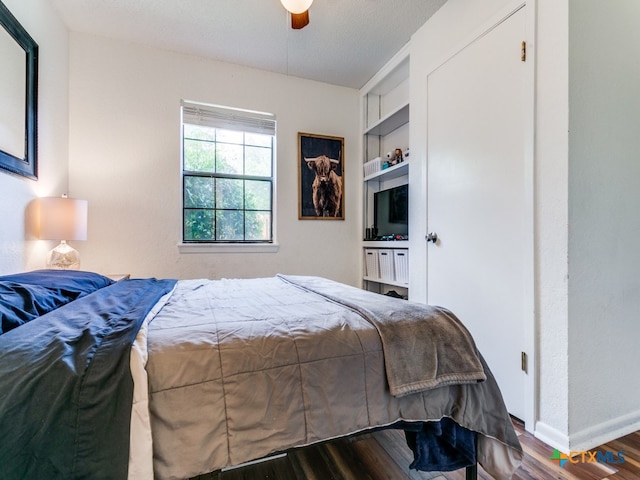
346, 42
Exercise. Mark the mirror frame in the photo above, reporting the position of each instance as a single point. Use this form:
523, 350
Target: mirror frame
27, 166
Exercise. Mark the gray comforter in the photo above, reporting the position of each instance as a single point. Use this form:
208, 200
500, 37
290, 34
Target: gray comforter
240, 369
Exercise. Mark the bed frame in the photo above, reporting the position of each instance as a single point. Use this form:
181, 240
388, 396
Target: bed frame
471, 472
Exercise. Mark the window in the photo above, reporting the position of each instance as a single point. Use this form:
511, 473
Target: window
227, 175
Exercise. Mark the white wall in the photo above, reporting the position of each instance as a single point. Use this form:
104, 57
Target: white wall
604, 197
551, 221
18, 251
125, 160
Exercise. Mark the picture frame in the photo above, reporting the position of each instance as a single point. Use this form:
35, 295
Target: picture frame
320, 177
18, 84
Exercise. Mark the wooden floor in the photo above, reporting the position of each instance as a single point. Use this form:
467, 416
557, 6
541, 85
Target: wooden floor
384, 455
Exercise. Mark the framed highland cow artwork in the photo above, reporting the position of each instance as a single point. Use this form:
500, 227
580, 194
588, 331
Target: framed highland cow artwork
320, 177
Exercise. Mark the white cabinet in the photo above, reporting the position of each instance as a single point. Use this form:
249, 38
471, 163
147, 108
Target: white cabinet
385, 128
388, 264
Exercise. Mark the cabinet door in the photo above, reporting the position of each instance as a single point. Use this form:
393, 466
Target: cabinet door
477, 198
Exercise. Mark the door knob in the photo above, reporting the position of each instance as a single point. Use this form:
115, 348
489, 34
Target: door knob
431, 237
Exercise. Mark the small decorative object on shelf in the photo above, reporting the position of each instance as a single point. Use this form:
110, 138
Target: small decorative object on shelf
393, 158
371, 233
394, 237
373, 166
398, 156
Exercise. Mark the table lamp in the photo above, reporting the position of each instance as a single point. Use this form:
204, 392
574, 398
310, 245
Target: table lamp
63, 219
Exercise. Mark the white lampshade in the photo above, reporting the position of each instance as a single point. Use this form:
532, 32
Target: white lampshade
296, 6
63, 218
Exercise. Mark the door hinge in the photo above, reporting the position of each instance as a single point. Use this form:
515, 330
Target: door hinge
524, 362
523, 51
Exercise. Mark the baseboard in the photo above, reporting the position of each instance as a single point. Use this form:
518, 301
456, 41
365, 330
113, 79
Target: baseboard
594, 436
552, 437
589, 438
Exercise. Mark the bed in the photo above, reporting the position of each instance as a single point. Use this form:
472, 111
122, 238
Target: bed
157, 378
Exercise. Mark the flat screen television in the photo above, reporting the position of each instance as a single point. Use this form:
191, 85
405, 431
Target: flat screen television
391, 211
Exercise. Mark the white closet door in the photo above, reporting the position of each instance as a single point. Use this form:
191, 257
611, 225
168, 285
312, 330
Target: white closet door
477, 199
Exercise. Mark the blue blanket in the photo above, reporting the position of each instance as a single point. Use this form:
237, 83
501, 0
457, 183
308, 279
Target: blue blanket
66, 388
441, 446
29, 295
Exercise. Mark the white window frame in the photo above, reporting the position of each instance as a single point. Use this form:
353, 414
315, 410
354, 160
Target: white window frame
236, 119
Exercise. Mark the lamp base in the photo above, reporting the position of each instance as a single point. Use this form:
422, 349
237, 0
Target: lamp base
63, 257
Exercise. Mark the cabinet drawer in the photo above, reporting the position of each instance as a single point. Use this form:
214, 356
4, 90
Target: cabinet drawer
385, 260
401, 264
372, 269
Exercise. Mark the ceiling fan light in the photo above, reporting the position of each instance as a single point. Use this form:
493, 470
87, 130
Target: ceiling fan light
296, 6
299, 20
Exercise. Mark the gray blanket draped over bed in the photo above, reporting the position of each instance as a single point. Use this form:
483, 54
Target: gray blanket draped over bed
424, 346
240, 369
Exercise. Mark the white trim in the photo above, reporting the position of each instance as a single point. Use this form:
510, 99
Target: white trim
604, 432
186, 248
231, 247
385, 79
590, 437
531, 384
552, 437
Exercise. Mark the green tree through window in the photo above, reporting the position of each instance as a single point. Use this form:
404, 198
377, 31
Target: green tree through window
227, 173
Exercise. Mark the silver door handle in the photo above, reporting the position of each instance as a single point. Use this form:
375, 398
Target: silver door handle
431, 237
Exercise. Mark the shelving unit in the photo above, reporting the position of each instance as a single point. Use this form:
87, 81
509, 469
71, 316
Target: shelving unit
399, 170
390, 122
385, 127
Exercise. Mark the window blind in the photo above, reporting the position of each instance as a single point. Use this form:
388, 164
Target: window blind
228, 118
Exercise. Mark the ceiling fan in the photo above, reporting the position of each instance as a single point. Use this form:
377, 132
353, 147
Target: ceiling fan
299, 10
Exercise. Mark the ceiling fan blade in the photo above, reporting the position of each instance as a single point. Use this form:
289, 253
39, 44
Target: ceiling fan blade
299, 20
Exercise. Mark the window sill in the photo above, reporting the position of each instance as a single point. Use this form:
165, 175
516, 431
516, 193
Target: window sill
228, 247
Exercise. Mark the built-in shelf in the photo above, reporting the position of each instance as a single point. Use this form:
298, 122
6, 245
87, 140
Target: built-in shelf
395, 171
390, 122
391, 75
386, 282
385, 108
385, 243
